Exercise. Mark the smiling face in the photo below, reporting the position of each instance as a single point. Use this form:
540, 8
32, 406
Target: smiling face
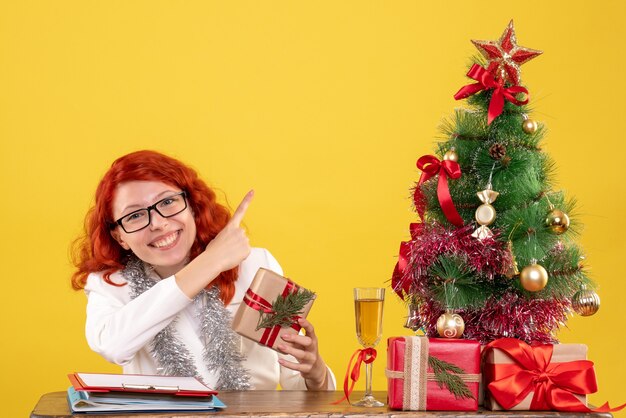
166, 242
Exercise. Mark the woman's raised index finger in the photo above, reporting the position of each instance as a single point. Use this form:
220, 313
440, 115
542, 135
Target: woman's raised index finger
241, 209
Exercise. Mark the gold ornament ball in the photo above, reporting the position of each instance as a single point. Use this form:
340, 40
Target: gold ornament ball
586, 302
450, 325
529, 126
451, 156
557, 221
533, 278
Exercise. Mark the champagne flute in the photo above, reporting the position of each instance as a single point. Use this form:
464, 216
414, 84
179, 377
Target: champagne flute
368, 307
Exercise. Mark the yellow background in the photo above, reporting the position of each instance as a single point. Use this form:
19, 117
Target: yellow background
322, 107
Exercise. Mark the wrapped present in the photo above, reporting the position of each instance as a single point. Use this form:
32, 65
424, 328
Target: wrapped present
540, 377
432, 374
271, 308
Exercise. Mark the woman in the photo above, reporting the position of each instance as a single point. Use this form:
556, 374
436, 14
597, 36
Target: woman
164, 267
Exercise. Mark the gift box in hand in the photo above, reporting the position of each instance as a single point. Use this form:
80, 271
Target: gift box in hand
271, 308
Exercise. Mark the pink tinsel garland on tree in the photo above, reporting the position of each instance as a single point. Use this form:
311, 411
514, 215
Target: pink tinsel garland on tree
504, 315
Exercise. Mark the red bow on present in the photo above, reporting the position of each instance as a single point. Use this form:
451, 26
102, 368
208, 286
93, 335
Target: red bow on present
554, 384
363, 355
430, 165
487, 81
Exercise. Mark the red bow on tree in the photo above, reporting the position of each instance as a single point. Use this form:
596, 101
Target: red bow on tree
430, 165
400, 282
487, 81
554, 384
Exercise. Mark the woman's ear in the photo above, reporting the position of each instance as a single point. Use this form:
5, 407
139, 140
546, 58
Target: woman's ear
117, 237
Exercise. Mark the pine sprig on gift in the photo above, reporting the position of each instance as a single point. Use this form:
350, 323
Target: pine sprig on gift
285, 309
447, 374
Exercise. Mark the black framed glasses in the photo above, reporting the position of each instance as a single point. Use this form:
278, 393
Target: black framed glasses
140, 219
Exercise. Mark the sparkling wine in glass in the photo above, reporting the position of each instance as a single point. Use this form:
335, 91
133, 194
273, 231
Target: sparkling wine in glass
368, 309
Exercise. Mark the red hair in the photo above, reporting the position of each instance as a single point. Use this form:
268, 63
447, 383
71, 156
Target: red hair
96, 250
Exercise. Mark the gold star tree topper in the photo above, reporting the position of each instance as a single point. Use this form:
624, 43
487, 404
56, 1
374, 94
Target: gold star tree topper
505, 56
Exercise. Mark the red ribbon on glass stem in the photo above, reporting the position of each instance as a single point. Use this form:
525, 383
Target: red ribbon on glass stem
363, 355
430, 166
553, 384
487, 81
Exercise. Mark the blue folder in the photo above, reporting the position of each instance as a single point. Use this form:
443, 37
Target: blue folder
84, 401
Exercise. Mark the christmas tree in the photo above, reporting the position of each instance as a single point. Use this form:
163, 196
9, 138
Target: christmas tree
493, 254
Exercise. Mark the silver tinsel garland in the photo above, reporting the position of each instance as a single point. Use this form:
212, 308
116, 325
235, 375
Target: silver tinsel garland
221, 348
221, 353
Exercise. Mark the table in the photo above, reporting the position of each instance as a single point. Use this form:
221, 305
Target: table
268, 404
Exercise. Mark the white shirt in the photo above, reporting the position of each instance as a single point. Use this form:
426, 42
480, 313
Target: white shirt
121, 329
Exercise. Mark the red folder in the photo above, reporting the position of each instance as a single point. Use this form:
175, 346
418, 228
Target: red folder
135, 383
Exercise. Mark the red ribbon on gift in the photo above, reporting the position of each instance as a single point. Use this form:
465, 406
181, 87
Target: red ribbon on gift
258, 303
487, 81
554, 384
363, 355
430, 165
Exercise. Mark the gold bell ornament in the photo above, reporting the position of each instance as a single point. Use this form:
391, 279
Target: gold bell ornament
413, 321
585, 302
533, 277
450, 325
512, 270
